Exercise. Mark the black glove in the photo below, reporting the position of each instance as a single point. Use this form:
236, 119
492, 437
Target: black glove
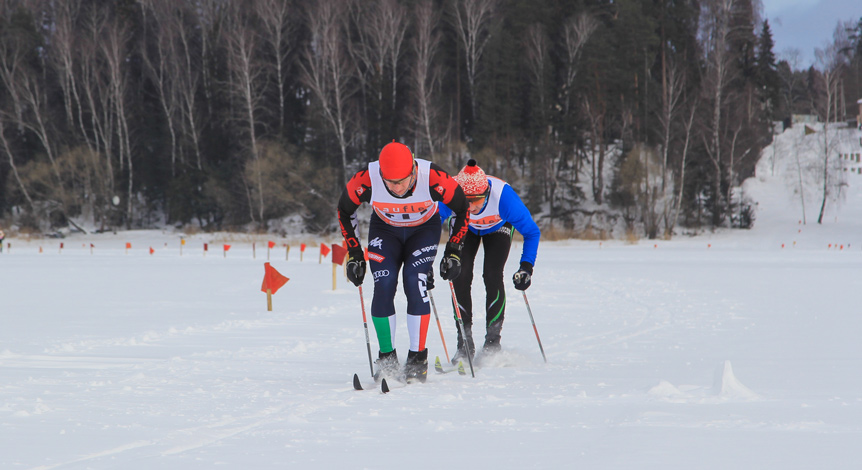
429, 281
450, 265
355, 267
522, 278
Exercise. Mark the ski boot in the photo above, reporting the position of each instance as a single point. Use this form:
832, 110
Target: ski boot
387, 366
461, 354
417, 366
492, 339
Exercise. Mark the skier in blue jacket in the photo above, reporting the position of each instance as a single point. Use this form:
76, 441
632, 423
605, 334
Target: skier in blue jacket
494, 209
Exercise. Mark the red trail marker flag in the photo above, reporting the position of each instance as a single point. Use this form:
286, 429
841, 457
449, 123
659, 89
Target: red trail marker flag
226, 248
269, 246
324, 250
301, 251
272, 282
338, 254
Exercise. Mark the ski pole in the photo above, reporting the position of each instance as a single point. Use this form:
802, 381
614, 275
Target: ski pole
367, 339
434, 308
461, 327
530, 311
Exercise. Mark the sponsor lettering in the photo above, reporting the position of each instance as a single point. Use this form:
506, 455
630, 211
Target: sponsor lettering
395, 208
381, 273
377, 258
423, 287
424, 260
424, 250
486, 221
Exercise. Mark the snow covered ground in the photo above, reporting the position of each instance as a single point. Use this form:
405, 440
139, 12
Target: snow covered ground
718, 351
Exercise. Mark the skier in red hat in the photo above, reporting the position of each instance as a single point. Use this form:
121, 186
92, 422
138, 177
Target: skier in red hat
494, 209
404, 231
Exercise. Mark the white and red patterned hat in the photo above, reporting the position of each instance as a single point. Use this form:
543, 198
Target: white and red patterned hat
472, 179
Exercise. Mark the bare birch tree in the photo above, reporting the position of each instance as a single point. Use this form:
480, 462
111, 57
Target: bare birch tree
189, 60
688, 136
831, 63
472, 20
326, 69
25, 88
95, 93
716, 37
114, 47
7, 149
536, 48
62, 56
380, 29
162, 68
425, 74
248, 87
576, 33
275, 17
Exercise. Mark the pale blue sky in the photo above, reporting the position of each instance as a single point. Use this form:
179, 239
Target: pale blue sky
807, 24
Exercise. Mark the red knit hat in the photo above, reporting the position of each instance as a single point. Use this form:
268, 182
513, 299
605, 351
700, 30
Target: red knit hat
396, 161
472, 179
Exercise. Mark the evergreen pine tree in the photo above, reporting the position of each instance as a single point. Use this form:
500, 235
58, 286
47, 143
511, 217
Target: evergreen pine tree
767, 71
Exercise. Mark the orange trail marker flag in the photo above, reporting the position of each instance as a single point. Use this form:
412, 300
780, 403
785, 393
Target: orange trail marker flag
269, 246
226, 249
338, 254
301, 251
324, 250
128, 247
272, 282
152, 250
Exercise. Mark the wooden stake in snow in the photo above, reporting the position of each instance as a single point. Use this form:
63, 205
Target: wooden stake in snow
272, 282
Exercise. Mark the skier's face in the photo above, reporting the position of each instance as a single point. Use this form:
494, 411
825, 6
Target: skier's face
476, 203
400, 187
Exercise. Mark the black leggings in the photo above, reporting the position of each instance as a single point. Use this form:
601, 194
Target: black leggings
497, 246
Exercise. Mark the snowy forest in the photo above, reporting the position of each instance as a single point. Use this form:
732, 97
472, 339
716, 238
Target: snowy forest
240, 115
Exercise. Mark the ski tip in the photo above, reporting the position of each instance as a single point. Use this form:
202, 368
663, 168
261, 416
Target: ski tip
356, 383
438, 366
384, 387
461, 370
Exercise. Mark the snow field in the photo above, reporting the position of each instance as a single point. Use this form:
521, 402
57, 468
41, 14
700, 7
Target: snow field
740, 355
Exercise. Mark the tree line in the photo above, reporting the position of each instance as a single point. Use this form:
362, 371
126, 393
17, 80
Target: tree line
231, 114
